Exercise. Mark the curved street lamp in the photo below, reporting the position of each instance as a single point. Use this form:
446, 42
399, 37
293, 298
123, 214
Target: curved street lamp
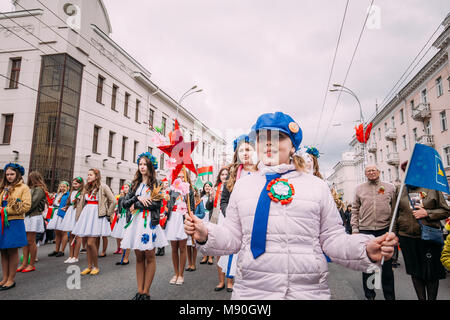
187, 94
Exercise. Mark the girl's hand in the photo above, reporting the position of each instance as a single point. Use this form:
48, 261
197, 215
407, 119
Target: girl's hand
145, 201
382, 246
420, 212
195, 228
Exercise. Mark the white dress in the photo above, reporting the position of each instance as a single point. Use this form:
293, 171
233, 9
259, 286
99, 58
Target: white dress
34, 224
119, 227
206, 217
56, 221
89, 224
69, 219
175, 225
139, 234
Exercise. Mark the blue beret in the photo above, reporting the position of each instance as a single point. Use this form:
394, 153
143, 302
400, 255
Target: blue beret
281, 122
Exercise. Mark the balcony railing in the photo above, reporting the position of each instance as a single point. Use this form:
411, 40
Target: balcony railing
427, 139
421, 112
393, 159
391, 134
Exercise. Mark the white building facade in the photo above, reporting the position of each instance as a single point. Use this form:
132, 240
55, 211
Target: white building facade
73, 99
343, 178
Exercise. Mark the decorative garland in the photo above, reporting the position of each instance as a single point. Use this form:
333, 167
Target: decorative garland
313, 151
280, 190
150, 157
15, 166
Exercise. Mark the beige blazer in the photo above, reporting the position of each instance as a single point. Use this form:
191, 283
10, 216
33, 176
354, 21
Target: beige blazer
106, 203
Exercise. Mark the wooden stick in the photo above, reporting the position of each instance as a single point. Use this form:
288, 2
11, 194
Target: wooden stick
188, 195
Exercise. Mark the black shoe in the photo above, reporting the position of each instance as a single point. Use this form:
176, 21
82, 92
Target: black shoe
188, 269
203, 262
158, 252
54, 253
162, 252
3, 288
219, 288
145, 297
120, 263
83, 251
229, 289
136, 297
59, 254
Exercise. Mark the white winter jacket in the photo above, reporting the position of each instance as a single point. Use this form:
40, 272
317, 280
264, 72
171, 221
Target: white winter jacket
298, 234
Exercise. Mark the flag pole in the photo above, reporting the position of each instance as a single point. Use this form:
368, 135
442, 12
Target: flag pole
400, 192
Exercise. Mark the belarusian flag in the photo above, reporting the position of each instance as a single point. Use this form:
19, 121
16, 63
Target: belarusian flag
204, 171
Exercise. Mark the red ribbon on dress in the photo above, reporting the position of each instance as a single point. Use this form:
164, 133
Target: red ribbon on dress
91, 202
4, 218
49, 213
218, 194
113, 223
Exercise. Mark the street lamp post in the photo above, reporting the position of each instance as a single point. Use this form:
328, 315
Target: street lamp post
187, 94
347, 90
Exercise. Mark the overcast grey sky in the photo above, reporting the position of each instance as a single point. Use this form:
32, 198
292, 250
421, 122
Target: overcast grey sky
256, 56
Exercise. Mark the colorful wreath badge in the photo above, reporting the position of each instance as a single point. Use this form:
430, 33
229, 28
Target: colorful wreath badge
280, 190
423, 195
381, 190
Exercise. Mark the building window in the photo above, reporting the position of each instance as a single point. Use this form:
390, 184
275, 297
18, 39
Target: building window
440, 90
163, 126
121, 183
109, 181
203, 149
151, 116
114, 97
379, 134
150, 149
110, 143
101, 81
95, 139
394, 146
402, 116
447, 155
15, 71
411, 103
214, 154
138, 103
382, 175
7, 130
443, 120
392, 122
415, 134
404, 141
135, 147
127, 99
124, 145
51, 129
428, 127
381, 155
385, 127
424, 96
389, 175
173, 126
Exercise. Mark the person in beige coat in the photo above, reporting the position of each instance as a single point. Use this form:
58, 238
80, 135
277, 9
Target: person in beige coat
15, 202
93, 214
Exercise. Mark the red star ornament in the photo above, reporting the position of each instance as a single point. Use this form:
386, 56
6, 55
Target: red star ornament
180, 151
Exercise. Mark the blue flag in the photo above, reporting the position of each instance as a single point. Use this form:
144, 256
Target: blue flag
426, 169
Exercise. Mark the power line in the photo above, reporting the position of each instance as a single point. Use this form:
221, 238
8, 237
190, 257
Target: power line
348, 71
388, 96
331, 71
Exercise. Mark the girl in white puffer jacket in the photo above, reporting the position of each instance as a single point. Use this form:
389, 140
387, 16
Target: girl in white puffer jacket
283, 225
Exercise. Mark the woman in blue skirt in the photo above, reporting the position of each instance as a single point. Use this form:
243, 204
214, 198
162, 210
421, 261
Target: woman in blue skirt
15, 202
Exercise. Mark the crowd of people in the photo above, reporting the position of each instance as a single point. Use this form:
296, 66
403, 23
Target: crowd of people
270, 222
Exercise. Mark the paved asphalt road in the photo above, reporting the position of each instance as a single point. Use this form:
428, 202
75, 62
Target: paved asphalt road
49, 281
